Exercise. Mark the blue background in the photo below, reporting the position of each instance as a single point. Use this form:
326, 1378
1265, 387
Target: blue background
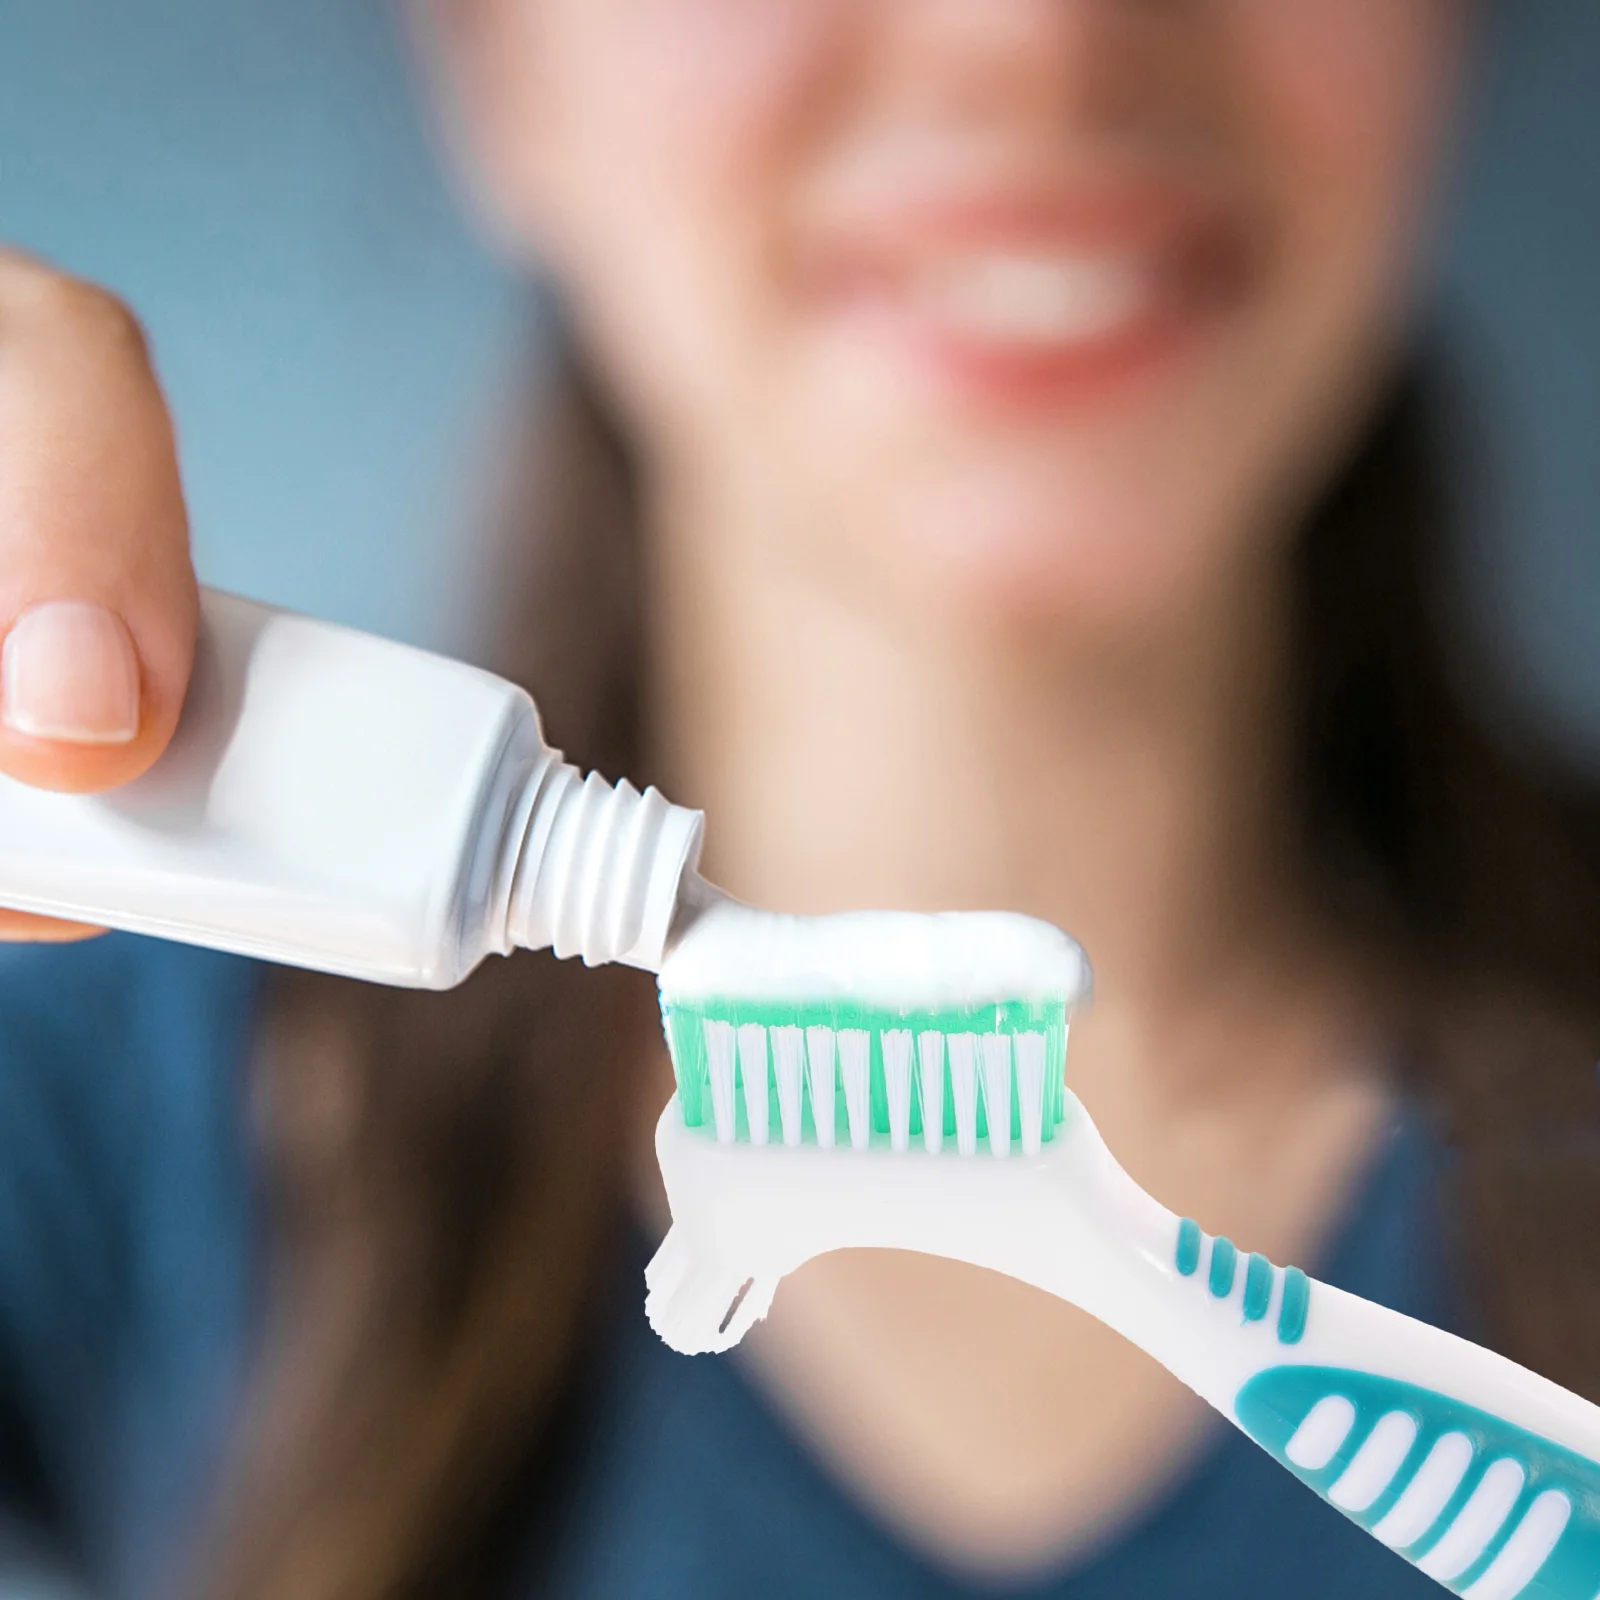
255, 177
258, 178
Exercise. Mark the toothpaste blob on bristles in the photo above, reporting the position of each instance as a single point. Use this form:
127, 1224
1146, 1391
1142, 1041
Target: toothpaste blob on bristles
895, 959
872, 1027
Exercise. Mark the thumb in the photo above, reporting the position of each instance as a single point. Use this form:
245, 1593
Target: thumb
97, 596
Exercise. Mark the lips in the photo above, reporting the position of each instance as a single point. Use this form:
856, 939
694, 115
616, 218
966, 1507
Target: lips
1030, 298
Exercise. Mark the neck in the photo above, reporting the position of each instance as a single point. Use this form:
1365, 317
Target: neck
1136, 799
845, 759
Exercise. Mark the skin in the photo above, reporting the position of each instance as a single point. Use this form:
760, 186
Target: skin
941, 618
926, 636
91, 509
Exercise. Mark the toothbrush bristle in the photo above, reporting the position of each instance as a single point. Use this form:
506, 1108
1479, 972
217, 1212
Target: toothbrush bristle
943, 1031
930, 1089
987, 1078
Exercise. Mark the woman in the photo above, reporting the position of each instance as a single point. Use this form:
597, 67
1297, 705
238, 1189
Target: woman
1018, 405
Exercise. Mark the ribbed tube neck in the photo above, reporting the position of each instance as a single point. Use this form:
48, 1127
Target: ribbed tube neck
600, 869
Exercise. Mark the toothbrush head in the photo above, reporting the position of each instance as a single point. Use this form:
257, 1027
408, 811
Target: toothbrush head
864, 1032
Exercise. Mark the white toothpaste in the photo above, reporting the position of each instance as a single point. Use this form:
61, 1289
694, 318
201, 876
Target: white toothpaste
890, 958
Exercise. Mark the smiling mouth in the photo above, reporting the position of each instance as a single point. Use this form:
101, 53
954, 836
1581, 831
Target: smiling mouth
1037, 303
1031, 299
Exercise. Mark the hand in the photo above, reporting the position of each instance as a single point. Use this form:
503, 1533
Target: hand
97, 594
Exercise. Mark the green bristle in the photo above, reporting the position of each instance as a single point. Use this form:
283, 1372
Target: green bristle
683, 1022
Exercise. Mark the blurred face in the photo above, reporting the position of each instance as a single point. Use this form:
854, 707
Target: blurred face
1016, 308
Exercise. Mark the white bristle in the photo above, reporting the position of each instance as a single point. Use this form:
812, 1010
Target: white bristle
1030, 1090
855, 1067
995, 1056
897, 1081
788, 1058
930, 1083
964, 1090
721, 1058
753, 1068
823, 1079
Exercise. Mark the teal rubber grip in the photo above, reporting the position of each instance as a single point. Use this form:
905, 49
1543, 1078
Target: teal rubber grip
1259, 1276
1489, 1509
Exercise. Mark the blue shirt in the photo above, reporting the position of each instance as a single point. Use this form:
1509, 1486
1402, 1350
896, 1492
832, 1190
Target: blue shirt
128, 1245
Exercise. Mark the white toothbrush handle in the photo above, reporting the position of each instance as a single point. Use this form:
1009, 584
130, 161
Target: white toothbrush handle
1483, 1474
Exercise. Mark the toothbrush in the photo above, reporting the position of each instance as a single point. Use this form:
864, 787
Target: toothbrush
890, 1080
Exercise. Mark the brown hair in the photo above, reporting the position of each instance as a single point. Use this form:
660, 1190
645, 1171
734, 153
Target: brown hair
447, 1166
444, 1170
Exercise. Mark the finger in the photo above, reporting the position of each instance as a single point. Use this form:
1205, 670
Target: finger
97, 596
19, 926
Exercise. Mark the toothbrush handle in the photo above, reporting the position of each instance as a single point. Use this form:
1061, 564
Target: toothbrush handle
1481, 1473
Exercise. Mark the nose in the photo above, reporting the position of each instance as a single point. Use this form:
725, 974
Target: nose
1051, 62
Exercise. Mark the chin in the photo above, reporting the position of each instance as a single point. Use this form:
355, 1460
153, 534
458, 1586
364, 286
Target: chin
1107, 562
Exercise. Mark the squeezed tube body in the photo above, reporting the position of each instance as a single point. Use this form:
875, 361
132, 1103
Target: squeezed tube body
339, 801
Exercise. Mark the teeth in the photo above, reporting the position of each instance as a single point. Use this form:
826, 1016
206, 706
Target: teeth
1034, 298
